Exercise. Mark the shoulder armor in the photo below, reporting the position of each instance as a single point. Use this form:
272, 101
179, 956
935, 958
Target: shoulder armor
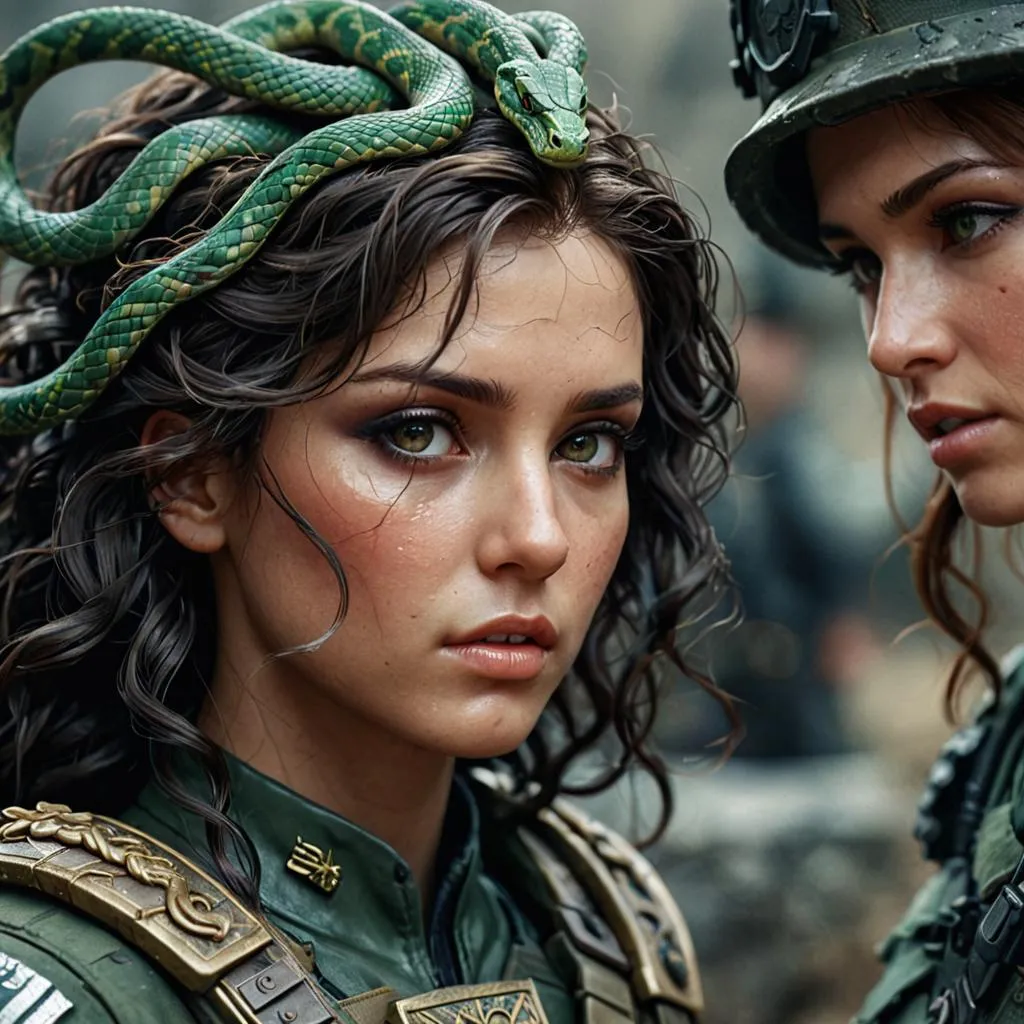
640, 932
163, 904
635, 902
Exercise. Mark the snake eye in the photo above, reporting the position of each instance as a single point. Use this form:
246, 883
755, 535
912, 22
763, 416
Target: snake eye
524, 97
584, 104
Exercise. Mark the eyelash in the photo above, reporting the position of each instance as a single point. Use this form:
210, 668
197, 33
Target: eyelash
941, 220
846, 267
629, 441
377, 431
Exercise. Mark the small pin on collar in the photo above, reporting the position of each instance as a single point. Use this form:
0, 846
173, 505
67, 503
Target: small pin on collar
311, 863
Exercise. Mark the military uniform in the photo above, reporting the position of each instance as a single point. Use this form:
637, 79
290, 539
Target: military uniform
956, 955
558, 919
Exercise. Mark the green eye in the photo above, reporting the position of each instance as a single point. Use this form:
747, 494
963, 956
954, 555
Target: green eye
413, 437
584, 103
963, 227
579, 448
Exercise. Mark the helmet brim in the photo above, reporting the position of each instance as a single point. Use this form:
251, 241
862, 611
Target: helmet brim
766, 175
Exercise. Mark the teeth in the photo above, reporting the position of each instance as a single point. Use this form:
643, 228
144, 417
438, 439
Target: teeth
505, 638
949, 424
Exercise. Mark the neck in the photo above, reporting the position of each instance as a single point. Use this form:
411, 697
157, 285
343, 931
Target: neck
280, 725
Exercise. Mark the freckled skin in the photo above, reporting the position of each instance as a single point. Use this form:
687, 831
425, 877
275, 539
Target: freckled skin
501, 527
944, 321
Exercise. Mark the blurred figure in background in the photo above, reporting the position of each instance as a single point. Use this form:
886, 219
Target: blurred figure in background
801, 580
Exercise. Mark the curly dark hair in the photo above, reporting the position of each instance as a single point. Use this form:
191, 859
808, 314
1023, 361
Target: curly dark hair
109, 624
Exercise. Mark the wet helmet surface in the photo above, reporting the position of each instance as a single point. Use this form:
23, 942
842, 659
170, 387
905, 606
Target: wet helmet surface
822, 62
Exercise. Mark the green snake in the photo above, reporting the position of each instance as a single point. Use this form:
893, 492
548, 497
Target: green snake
412, 53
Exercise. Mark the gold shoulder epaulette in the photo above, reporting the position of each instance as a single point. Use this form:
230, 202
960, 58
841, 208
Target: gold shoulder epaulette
635, 902
166, 906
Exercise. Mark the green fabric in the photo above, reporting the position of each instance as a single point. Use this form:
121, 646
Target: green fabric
903, 990
1011, 1009
370, 932
105, 980
997, 852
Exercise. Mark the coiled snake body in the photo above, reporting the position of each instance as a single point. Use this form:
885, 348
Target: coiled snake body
409, 54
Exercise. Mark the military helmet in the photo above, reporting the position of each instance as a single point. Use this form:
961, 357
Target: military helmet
822, 62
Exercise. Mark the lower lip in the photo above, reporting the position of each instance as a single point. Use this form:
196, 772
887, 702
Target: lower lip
500, 661
962, 443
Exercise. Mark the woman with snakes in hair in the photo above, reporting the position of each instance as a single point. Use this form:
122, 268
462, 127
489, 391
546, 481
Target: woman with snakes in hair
356, 434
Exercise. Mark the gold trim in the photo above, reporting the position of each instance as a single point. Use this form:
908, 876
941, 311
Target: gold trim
160, 902
190, 911
504, 1002
625, 887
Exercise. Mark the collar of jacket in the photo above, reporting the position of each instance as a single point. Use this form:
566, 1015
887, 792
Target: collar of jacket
370, 930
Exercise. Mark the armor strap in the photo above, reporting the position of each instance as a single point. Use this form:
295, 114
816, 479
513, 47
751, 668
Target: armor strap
166, 906
639, 934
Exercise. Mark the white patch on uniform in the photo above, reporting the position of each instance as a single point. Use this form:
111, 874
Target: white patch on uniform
27, 997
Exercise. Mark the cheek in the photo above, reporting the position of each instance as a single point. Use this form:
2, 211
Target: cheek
995, 314
392, 544
599, 541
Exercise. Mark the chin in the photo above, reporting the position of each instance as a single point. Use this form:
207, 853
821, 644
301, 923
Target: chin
991, 503
486, 745
479, 733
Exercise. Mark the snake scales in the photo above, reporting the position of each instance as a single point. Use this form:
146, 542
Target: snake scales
412, 53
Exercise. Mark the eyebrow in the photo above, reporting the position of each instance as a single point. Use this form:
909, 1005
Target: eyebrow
490, 393
607, 398
485, 392
905, 198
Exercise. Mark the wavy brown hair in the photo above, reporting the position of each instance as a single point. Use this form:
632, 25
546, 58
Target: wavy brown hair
109, 625
993, 117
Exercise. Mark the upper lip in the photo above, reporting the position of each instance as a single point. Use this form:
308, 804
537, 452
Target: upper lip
927, 416
537, 628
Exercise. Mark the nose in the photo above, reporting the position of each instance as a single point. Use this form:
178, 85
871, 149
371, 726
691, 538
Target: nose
522, 532
910, 324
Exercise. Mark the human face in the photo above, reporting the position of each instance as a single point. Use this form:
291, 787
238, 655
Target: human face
928, 221
483, 498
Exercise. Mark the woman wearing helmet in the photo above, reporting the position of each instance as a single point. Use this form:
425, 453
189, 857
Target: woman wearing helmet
891, 150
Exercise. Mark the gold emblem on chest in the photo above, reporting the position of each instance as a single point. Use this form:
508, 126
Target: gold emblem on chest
503, 1002
318, 868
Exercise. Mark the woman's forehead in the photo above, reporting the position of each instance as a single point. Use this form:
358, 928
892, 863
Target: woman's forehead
871, 156
566, 289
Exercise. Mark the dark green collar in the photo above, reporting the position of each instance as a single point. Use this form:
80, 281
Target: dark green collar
370, 931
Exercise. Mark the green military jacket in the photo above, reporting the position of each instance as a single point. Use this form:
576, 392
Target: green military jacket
955, 956
105, 922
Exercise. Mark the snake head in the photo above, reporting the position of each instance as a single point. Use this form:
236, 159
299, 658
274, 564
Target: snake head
548, 103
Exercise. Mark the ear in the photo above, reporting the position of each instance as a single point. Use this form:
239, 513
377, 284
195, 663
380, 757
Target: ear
193, 498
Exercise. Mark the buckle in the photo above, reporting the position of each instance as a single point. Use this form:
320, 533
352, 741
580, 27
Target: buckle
996, 948
503, 1002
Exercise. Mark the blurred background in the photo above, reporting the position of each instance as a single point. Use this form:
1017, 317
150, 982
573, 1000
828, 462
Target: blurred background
795, 858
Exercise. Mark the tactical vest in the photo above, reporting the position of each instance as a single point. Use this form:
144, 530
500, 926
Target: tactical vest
613, 928
957, 955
